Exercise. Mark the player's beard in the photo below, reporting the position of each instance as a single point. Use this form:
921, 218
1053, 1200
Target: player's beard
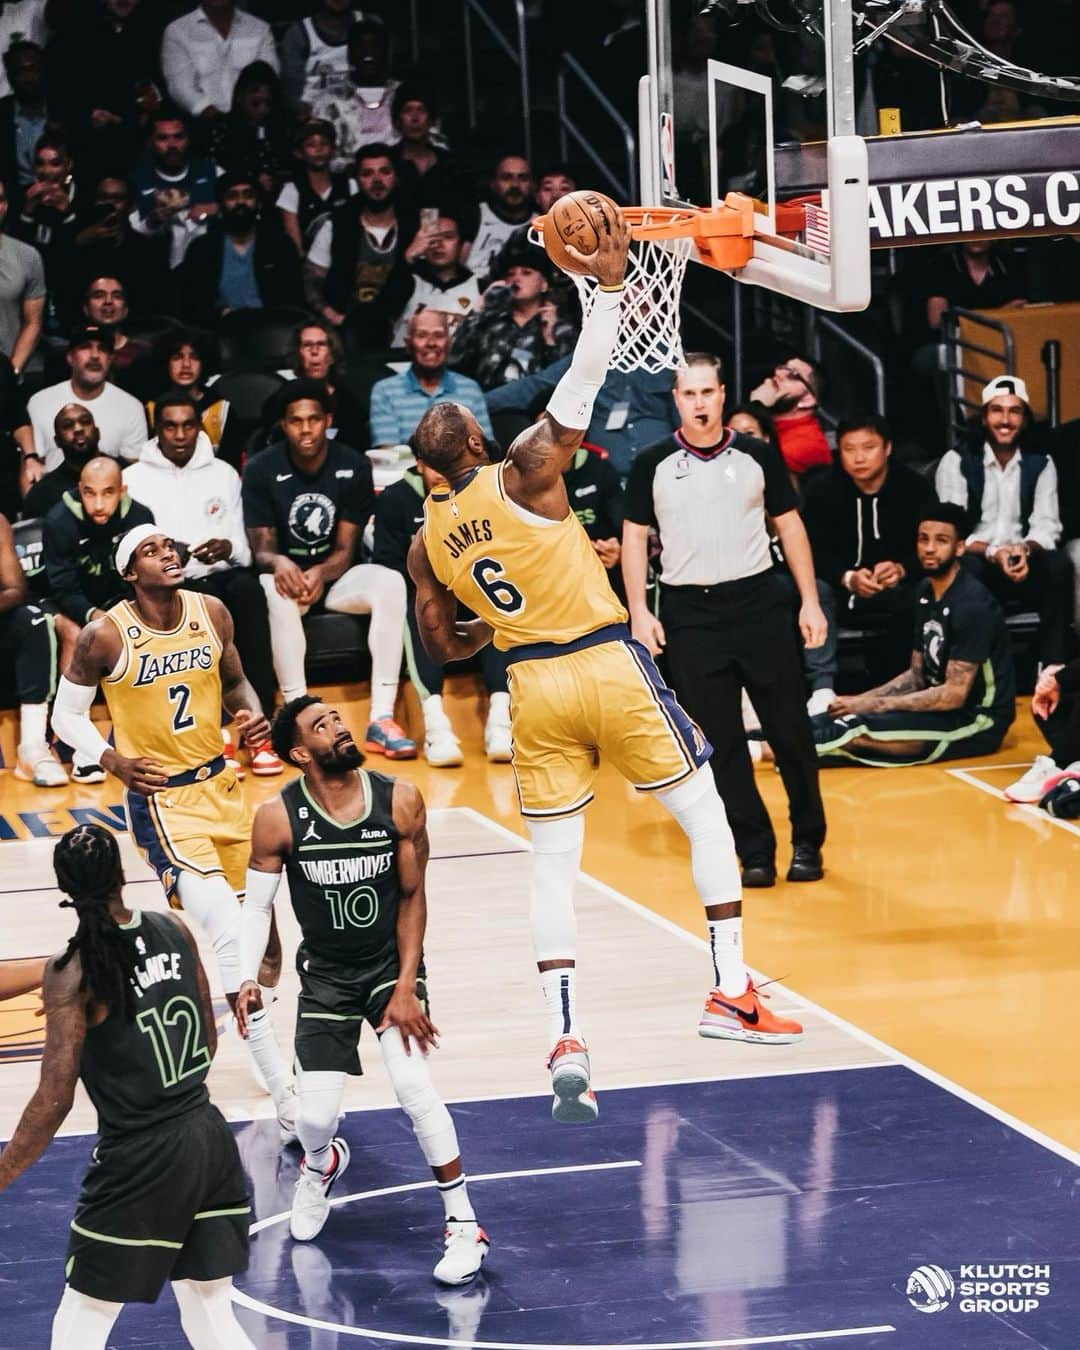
341, 759
939, 569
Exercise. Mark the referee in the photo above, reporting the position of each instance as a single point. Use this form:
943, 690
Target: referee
725, 617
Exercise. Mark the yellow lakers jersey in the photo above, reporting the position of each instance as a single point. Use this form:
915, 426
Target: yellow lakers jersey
164, 694
531, 579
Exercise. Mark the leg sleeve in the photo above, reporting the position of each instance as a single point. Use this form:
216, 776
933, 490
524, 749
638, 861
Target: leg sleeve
34, 639
425, 674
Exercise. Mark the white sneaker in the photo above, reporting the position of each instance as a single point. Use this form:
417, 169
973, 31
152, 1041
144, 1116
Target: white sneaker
36, 765
442, 749
498, 742
311, 1199
466, 1247
87, 773
818, 702
1036, 783
286, 1117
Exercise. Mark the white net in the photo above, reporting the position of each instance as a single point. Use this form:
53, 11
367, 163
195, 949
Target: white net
649, 337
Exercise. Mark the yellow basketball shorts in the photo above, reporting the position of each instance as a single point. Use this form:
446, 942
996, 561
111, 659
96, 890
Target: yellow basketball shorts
599, 697
194, 825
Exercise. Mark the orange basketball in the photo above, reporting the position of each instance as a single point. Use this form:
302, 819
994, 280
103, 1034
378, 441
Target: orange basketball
579, 218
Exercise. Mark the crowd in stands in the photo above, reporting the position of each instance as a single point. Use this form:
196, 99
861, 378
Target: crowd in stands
233, 258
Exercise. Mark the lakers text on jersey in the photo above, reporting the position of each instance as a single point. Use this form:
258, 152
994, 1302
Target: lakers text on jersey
343, 883
164, 698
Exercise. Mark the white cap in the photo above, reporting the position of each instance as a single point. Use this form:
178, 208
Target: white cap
1005, 384
130, 542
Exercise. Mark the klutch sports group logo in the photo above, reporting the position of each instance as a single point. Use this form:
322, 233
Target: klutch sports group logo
930, 1289
1005, 1287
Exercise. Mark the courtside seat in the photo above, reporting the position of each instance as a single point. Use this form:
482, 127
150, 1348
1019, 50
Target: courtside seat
337, 649
257, 339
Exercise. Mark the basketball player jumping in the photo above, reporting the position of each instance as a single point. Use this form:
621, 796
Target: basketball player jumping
128, 1011
354, 846
167, 664
504, 541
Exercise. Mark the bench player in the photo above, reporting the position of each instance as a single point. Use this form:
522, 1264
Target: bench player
167, 664
503, 540
128, 1011
354, 846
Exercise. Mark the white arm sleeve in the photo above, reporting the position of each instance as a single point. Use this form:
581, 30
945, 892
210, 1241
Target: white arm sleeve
255, 920
71, 720
571, 403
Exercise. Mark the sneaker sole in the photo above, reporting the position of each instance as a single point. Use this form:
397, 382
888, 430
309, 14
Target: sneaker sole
92, 781
1048, 786
373, 748
446, 763
25, 777
569, 1086
715, 1033
268, 773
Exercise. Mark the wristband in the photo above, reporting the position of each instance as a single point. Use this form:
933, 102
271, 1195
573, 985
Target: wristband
610, 289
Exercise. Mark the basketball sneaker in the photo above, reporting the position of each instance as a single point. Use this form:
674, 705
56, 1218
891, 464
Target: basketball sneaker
311, 1199
228, 749
264, 763
385, 737
37, 765
87, 773
442, 749
1036, 783
575, 1102
466, 1247
745, 1018
498, 741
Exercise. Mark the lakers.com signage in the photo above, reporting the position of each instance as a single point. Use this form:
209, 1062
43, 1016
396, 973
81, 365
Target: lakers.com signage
967, 183
950, 208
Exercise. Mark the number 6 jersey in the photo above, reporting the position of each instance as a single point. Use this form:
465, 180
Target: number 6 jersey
343, 879
533, 580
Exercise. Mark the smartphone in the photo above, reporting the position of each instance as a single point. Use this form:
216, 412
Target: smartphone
1015, 559
429, 217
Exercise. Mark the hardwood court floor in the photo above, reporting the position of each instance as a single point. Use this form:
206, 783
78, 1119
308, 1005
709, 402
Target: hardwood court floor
944, 927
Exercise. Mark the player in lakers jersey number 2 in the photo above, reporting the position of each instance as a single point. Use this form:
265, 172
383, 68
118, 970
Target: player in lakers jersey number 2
167, 664
503, 540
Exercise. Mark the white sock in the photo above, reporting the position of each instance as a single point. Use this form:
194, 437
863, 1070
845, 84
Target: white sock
383, 698
725, 943
499, 709
33, 725
559, 988
435, 718
267, 1056
455, 1198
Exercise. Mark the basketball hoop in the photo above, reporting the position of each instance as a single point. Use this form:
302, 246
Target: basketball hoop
662, 241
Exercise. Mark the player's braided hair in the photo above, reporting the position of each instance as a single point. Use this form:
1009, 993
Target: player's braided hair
87, 865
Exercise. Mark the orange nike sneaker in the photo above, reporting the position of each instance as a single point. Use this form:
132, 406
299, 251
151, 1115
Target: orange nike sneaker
385, 737
746, 1019
574, 1101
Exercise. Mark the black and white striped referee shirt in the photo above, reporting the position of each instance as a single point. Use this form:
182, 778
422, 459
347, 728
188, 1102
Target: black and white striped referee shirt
709, 506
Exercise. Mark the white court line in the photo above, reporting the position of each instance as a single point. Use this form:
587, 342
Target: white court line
405, 1338
931, 1075
968, 776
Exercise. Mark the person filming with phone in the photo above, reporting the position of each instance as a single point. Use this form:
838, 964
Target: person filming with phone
1010, 493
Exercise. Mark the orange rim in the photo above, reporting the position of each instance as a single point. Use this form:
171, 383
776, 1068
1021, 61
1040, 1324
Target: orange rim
723, 235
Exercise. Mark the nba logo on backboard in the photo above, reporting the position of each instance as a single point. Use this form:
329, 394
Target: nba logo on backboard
667, 154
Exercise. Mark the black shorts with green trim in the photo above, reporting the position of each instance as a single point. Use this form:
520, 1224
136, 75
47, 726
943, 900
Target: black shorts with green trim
906, 738
336, 1000
167, 1203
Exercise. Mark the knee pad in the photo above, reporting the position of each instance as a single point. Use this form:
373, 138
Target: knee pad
416, 1094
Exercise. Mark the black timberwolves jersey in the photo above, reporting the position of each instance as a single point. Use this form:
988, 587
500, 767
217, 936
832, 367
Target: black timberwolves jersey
152, 1069
304, 508
343, 878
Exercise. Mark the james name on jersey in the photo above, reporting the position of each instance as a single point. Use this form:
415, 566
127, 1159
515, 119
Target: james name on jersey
465, 535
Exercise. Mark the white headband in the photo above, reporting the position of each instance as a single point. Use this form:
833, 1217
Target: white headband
130, 542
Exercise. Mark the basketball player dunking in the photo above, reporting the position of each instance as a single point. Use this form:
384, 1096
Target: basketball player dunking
128, 1011
167, 664
503, 540
354, 845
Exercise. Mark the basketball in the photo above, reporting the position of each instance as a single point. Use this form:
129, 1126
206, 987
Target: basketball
579, 219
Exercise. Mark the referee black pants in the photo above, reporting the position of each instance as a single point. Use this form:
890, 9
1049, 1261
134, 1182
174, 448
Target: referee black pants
742, 635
